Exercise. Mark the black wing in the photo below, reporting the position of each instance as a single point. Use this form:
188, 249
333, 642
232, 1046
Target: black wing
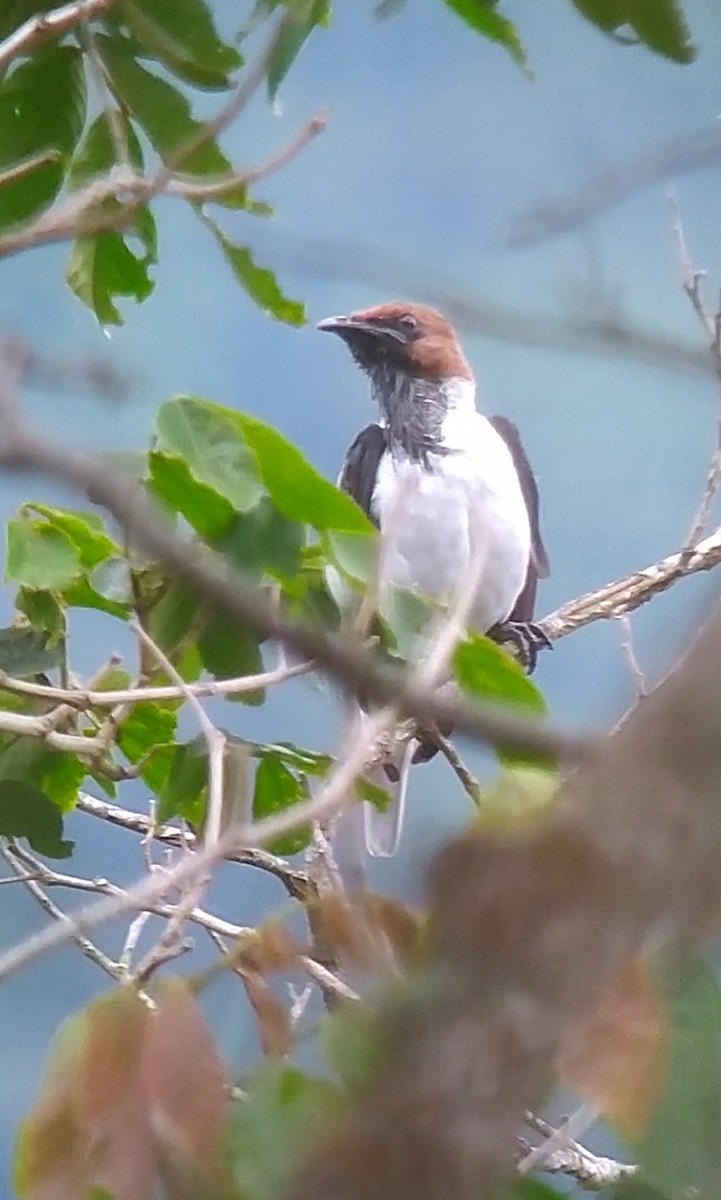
538, 562
360, 468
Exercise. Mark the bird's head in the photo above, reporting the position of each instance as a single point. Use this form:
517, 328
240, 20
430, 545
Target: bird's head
398, 338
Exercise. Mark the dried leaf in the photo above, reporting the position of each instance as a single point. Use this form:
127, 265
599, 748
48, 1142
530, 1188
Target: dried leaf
615, 1058
185, 1082
49, 1156
274, 1027
344, 928
109, 1098
402, 927
272, 949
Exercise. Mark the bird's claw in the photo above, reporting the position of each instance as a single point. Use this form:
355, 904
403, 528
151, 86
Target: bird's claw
526, 638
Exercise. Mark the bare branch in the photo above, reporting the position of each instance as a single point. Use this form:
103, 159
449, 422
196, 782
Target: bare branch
603, 335
214, 739
83, 698
594, 1172
625, 595
89, 949
615, 184
711, 325
46, 26
294, 880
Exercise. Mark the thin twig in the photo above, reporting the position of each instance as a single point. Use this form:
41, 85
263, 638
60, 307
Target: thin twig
83, 698
46, 26
594, 1172
294, 880
627, 594
214, 739
87, 948
614, 184
467, 781
711, 325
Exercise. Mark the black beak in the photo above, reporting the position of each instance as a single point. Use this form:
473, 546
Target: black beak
347, 327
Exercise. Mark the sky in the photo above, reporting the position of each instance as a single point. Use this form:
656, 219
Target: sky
436, 145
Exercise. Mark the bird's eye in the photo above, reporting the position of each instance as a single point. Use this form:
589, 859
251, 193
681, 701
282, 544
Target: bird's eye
408, 323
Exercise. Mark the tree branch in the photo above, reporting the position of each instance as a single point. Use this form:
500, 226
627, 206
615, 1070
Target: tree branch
46, 26
625, 595
614, 184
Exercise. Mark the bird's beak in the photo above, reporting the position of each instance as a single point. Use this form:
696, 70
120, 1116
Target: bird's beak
347, 326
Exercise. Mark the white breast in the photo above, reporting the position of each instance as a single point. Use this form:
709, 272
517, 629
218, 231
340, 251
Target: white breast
438, 517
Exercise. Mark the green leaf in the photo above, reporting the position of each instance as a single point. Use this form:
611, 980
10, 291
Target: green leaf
258, 282
182, 794
274, 1132
101, 268
607, 15
44, 611
481, 15
406, 614
680, 1153
662, 27
302, 18
97, 153
56, 773
276, 789
112, 580
173, 617
263, 540
484, 670
162, 111
25, 652
228, 650
147, 726
297, 489
81, 594
104, 266
372, 794
182, 35
42, 111
307, 761
39, 556
209, 513
25, 811
208, 439
355, 554
85, 530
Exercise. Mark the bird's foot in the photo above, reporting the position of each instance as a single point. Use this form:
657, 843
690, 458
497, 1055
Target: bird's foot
526, 638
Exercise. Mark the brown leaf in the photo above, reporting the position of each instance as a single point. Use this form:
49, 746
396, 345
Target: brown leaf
402, 927
49, 1159
271, 949
274, 1027
615, 1057
344, 928
185, 1082
109, 1098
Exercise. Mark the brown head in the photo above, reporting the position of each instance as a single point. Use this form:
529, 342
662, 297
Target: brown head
400, 337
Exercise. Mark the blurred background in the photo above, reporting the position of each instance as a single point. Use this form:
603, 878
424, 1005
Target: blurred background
437, 146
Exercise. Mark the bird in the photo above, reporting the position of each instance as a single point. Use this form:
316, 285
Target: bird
445, 483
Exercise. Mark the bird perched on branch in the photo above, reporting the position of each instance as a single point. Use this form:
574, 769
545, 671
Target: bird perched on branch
444, 484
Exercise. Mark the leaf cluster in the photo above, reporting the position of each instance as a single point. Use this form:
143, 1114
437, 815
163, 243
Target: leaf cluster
230, 480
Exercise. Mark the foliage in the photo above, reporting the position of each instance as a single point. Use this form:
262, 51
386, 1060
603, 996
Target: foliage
136, 1094
154, 57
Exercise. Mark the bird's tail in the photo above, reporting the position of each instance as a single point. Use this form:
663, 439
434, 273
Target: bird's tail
383, 828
